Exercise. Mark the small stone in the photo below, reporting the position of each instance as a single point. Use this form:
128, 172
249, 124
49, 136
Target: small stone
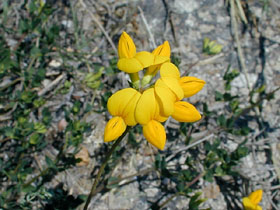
55, 63
62, 124
183, 6
151, 192
211, 191
84, 156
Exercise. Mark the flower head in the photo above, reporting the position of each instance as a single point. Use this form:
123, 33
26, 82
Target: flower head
147, 114
129, 60
179, 87
121, 105
251, 202
162, 55
191, 85
157, 101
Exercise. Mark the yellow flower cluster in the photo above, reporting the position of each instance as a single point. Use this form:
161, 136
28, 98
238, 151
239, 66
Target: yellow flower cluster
251, 202
150, 104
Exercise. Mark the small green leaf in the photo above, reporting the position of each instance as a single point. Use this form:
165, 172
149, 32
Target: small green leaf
219, 96
222, 120
180, 186
35, 52
50, 162
34, 138
40, 127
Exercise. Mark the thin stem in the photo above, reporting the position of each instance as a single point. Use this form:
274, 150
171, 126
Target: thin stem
45, 171
107, 158
247, 109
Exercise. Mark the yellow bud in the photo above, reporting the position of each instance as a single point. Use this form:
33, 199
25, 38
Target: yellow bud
185, 112
191, 85
154, 132
114, 129
126, 47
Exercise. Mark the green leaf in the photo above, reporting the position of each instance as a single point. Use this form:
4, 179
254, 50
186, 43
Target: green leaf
219, 171
92, 80
180, 186
158, 161
219, 96
195, 202
35, 52
40, 127
34, 138
222, 120
209, 176
242, 152
50, 162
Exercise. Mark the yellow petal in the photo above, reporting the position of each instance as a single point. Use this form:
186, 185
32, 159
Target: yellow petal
152, 70
248, 205
161, 59
129, 65
158, 113
118, 101
126, 47
191, 85
169, 70
154, 132
174, 85
256, 196
259, 207
129, 111
163, 50
185, 112
146, 107
160, 118
145, 58
114, 129
165, 98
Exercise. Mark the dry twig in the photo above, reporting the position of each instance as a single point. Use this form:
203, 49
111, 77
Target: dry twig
147, 27
99, 25
237, 40
189, 146
51, 85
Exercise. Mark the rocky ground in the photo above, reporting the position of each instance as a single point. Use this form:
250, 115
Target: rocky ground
185, 24
250, 44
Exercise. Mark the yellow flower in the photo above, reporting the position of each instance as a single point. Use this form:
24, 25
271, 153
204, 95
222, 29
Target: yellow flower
185, 112
121, 105
129, 107
114, 129
170, 75
171, 88
191, 85
162, 55
147, 114
165, 97
251, 202
129, 60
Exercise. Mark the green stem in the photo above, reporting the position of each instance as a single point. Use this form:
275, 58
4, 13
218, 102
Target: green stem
107, 158
135, 80
247, 109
